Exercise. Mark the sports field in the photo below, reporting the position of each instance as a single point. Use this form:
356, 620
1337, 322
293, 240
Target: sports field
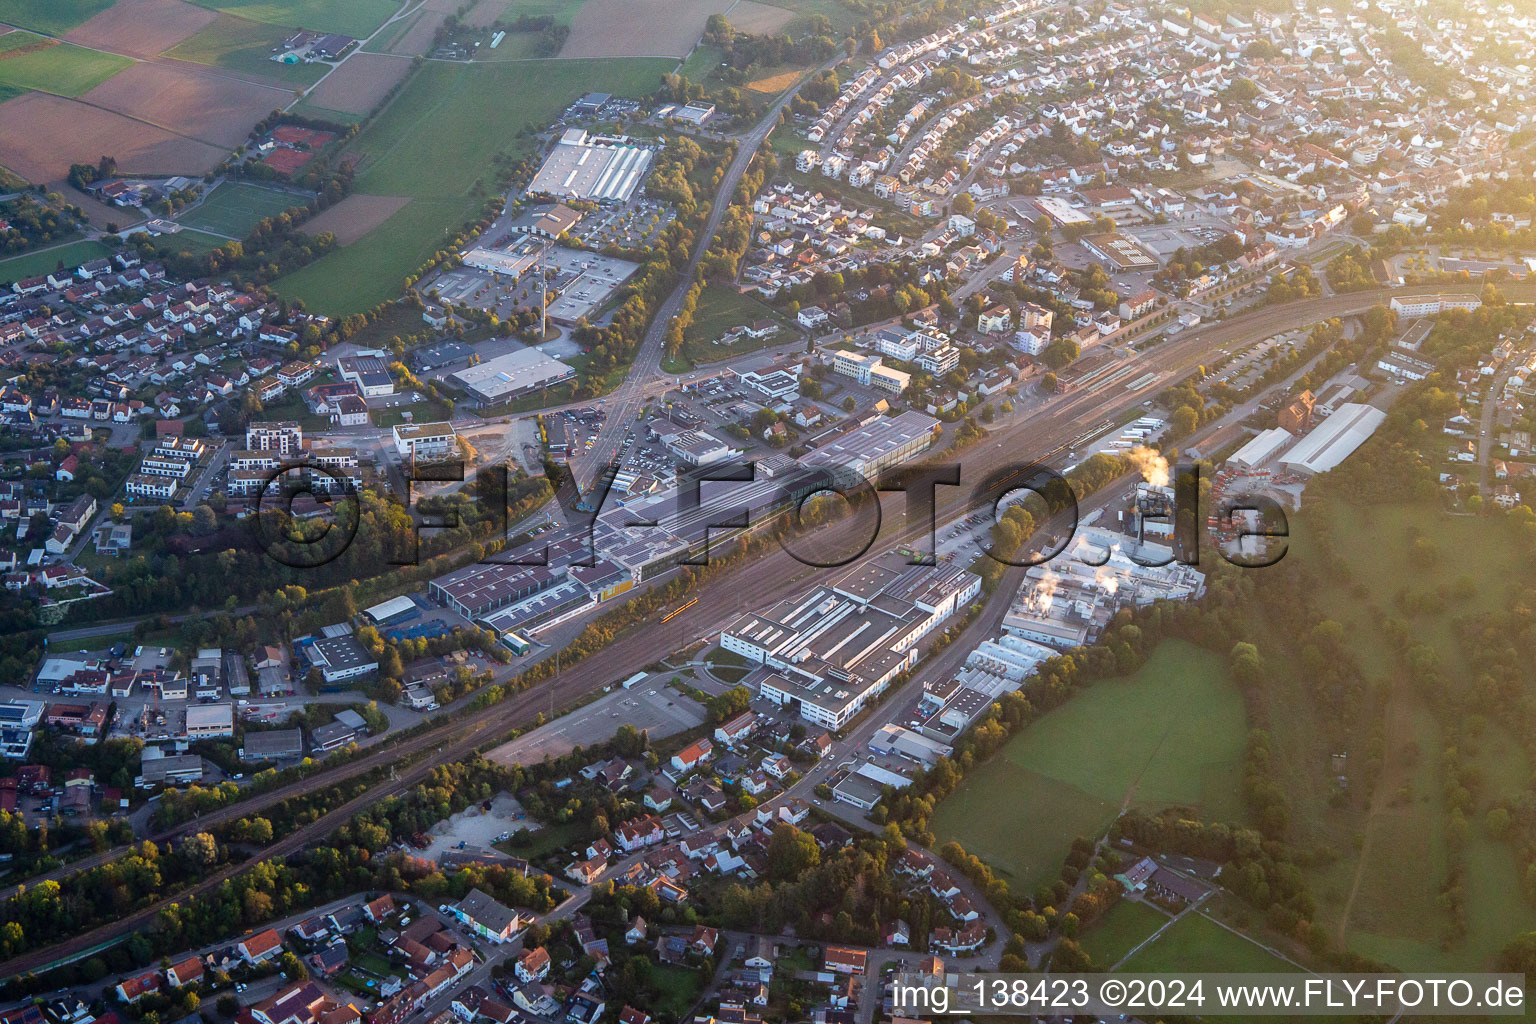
239, 44
1170, 734
235, 207
34, 263
429, 146
30, 61
1128, 924
356, 18
52, 16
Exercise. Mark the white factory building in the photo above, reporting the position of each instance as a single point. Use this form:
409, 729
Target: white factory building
1262, 447
836, 647
593, 168
1011, 657
894, 739
1429, 305
511, 375
1067, 602
1334, 440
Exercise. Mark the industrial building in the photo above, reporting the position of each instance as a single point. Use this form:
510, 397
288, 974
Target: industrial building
210, 721
1010, 657
836, 647
1068, 602
476, 590
885, 442
339, 658
1057, 613
894, 739
1429, 305
509, 261
510, 376
273, 745
547, 222
395, 610
593, 168
1123, 254
425, 440
1334, 440
369, 374
1261, 448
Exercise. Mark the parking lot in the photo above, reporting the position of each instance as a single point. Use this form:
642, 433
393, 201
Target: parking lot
650, 707
636, 224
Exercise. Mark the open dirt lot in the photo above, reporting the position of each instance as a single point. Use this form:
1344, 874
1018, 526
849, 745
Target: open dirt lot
477, 828
758, 19
639, 28
138, 147
774, 85
194, 102
100, 214
485, 13
142, 28
359, 84
354, 216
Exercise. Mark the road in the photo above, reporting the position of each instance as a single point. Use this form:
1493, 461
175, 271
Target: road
1489, 418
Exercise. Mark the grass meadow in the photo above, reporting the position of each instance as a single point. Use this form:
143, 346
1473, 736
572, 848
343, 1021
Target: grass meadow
63, 69
1171, 733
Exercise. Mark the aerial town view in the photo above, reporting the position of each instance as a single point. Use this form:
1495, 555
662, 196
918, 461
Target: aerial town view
766, 511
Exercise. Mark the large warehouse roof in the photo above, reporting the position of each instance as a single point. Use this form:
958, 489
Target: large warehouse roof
577, 169
512, 374
1335, 439
387, 610
1262, 447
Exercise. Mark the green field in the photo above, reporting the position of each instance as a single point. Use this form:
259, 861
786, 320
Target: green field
431, 144
52, 16
703, 60
1195, 942
1382, 896
1172, 733
190, 241
1127, 925
394, 32
341, 117
357, 18
34, 263
561, 10
722, 307
235, 207
837, 13
63, 69
240, 44
677, 988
